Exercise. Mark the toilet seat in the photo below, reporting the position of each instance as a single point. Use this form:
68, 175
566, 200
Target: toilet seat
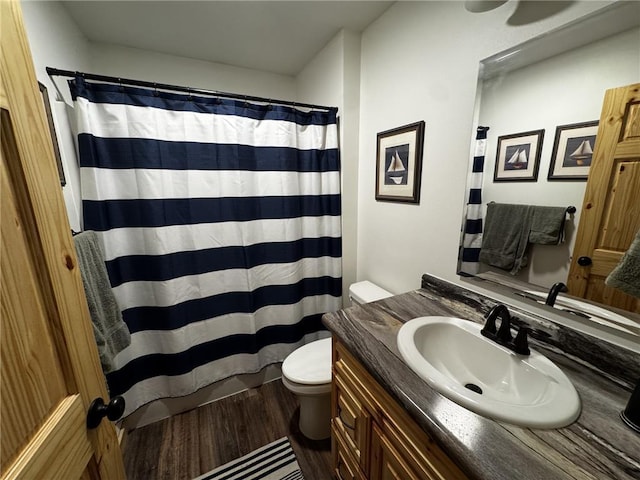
309, 365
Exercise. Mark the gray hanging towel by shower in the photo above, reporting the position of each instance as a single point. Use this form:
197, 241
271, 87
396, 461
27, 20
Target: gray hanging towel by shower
112, 334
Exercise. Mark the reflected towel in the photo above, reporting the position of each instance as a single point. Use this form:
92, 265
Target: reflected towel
626, 275
112, 334
506, 236
547, 225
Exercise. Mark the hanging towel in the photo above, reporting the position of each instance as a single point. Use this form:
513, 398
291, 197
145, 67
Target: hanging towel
547, 225
626, 275
506, 236
112, 334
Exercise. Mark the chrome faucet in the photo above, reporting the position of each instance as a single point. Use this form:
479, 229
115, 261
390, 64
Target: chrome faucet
502, 335
555, 289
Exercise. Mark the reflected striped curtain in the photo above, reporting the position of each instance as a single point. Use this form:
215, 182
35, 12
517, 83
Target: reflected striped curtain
471, 238
220, 223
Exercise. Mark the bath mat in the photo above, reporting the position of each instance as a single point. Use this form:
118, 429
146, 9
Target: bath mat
275, 461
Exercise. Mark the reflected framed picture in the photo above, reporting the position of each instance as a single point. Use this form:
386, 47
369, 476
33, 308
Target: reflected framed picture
573, 151
399, 163
52, 129
518, 157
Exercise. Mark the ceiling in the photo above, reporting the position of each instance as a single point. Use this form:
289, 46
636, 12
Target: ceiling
273, 36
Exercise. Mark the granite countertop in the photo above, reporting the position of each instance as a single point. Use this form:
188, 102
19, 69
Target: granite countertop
597, 446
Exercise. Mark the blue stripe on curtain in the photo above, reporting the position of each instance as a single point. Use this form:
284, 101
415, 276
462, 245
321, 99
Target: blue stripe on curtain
155, 268
141, 97
471, 238
146, 153
109, 214
220, 222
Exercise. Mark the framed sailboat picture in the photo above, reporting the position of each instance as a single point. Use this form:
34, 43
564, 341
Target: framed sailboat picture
572, 151
399, 163
518, 157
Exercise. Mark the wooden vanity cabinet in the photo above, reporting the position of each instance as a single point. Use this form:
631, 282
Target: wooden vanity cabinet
373, 438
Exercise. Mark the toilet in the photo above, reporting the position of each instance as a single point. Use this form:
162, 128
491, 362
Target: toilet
306, 372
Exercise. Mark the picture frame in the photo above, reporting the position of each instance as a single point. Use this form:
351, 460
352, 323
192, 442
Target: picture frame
518, 157
399, 163
52, 130
572, 151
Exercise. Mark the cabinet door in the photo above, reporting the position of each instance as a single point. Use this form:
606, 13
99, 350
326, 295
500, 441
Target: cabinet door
386, 461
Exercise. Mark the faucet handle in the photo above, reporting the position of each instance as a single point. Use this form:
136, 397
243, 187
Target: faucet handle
521, 343
504, 332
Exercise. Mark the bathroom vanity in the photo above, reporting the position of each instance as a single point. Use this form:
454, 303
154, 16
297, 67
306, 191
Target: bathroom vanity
388, 423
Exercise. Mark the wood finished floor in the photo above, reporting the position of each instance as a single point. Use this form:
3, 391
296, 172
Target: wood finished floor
195, 442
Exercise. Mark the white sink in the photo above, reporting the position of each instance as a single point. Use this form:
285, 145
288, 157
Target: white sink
597, 314
449, 353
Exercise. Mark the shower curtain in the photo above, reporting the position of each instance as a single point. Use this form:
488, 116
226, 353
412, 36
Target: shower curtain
471, 237
221, 228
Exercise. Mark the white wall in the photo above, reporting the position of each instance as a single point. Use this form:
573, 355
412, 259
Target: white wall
420, 62
56, 41
138, 64
553, 92
332, 78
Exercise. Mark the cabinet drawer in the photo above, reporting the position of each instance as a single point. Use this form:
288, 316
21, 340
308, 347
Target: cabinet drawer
351, 421
346, 467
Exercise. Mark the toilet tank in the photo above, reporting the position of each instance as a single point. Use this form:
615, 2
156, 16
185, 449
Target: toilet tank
365, 292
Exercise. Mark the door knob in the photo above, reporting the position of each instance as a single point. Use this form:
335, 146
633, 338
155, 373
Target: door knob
98, 409
584, 261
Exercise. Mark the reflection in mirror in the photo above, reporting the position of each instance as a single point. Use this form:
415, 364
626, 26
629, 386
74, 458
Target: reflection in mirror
556, 80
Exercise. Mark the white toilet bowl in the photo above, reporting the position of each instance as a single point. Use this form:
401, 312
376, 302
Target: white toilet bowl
306, 372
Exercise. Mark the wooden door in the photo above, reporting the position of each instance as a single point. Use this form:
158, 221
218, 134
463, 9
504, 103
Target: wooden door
611, 208
49, 369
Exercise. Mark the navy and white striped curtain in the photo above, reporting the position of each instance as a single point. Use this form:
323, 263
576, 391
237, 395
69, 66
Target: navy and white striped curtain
220, 222
471, 238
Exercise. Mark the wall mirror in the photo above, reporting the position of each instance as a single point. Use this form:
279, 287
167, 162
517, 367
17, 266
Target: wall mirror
554, 83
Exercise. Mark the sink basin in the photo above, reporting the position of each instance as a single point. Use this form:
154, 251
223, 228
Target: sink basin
453, 357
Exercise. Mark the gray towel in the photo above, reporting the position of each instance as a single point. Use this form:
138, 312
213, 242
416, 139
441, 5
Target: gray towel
506, 236
626, 275
112, 334
547, 225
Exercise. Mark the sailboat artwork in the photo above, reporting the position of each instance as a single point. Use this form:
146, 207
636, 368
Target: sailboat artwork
581, 156
396, 171
518, 160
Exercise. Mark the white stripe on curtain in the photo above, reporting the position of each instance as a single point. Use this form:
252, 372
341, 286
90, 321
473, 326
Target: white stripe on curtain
123, 242
220, 222
105, 184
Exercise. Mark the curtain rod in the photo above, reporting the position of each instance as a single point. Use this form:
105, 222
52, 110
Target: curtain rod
177, 88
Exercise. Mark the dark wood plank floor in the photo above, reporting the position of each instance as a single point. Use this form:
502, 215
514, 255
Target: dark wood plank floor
192, 443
